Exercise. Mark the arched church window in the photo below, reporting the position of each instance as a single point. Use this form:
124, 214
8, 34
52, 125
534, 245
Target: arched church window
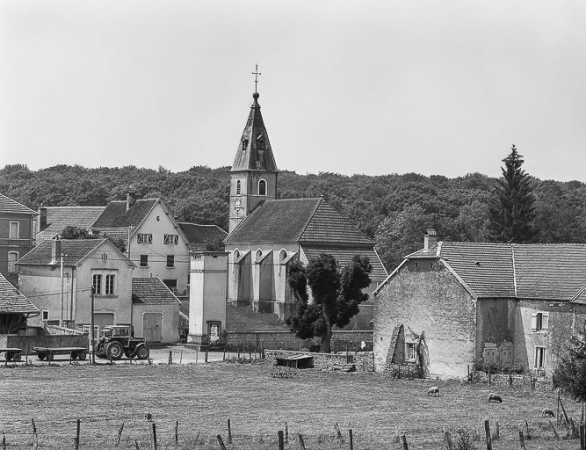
238, 185
236, 254
258, 254
282, 255
262, 187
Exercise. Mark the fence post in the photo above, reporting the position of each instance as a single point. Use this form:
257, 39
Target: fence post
488, 437
229, 432
301, 443
176, 431
170, 357
281, 441
404, 445
521, 439
582, 437
351, 440
206, 356
219, 438
448, 437
557, 418
77, 432
35, 436
153, 436
497, 431
554, 431
527, 430
119, 434
286, 433
3, 442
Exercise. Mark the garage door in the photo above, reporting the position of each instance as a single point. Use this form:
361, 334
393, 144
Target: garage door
152, 326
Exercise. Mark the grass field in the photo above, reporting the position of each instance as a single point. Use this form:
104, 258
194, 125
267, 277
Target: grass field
202, 397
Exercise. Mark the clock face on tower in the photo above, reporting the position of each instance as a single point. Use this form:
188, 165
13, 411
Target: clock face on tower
237, 205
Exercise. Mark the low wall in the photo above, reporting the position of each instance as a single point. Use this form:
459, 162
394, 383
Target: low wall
363, 361
285, 340
26, 342
541, 383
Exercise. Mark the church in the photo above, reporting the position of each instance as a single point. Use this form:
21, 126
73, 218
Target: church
266, 234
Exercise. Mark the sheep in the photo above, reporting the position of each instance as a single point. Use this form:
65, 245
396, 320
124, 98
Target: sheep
546, 412
433, 391
148, 417
494, 398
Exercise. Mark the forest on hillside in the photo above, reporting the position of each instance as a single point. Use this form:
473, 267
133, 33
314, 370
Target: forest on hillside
394, 210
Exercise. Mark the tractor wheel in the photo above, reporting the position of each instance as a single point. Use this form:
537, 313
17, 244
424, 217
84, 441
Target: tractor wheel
142, 352
8, 356
82, 355
73, 356
16, 357
114, 350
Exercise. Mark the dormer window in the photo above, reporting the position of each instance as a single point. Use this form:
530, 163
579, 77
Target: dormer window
262, 187
238, 186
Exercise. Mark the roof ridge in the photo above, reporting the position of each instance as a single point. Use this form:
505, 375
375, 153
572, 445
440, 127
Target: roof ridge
308, 221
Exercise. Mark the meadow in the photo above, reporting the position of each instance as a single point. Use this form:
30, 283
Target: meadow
198, 399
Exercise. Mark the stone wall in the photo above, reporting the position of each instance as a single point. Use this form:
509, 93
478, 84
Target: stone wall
285, 340
363, 361
541, 383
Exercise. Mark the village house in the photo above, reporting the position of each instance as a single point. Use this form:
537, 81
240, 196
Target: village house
153, 239
452, 305
15, 308
17, 235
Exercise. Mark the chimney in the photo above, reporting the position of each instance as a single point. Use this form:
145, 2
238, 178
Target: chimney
130, 199
56, 251
42, 217
429, 239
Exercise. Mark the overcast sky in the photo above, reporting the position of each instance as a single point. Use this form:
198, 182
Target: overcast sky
374, 87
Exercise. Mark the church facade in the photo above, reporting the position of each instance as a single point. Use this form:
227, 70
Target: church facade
267, 234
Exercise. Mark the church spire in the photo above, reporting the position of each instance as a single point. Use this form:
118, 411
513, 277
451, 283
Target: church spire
254, 172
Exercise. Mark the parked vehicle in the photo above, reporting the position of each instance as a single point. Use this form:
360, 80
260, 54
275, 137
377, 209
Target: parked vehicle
118, 340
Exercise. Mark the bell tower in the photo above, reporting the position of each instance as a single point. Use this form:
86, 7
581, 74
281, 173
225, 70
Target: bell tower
254, 172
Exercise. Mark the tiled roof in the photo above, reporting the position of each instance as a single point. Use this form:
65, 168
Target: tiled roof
304, 220
152, 291
12, 206
526, 271
115, 214
59, 217
344, 257
254, 151
200, 235
74, 250
12, 301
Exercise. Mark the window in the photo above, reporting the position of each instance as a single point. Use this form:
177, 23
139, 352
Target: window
539, 321
539, 357
110, 284
97, 284
262, 187
12, 258
170, 260
14, 230
144, 238
45, 315
238, 185
171, 284
410, 351
171, 239
144, 260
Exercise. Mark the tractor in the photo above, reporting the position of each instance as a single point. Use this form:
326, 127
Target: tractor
118, 340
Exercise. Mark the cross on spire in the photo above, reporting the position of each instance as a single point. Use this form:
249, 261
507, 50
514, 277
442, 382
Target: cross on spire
256, 73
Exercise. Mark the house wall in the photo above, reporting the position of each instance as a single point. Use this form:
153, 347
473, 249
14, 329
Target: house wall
565, 319
22, 245
426, 298
157, 251
169, 326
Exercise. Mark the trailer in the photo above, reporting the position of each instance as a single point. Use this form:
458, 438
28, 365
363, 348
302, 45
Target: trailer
49, 353
12, 353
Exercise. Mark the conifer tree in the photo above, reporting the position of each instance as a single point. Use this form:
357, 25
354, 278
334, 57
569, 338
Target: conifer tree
512, 212
336, 294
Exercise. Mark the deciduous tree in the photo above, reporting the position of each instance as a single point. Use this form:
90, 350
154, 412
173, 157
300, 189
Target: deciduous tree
336, 294
570, 371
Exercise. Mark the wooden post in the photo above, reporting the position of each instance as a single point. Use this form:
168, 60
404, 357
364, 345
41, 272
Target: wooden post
582, 437
489, 375
558, 414
286, 433
527, 430
488, 437
35, 436
224, 357
533, 381
448, 437
468, 379
575, 432
351, 440
510, 378
153, 436
301, 443
3, 442
404, 445
170, 357
229, 432
119, 434
564, 412
497, 431
521, 439
554, 431
136, 445
281, 440
221, 442
181, 357
77, 432
206, 356
176, 431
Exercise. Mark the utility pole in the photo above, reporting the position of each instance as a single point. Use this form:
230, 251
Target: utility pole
61, 302
92, 348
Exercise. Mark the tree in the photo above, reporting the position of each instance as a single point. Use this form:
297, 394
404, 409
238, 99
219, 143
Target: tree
570, 372
71, 232
512, 212
336, 294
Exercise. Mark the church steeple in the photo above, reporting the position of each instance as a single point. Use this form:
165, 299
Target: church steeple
254, 172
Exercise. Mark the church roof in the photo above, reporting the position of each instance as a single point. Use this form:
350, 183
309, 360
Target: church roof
254, 151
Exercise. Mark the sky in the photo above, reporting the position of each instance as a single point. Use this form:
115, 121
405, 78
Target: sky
353, 87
